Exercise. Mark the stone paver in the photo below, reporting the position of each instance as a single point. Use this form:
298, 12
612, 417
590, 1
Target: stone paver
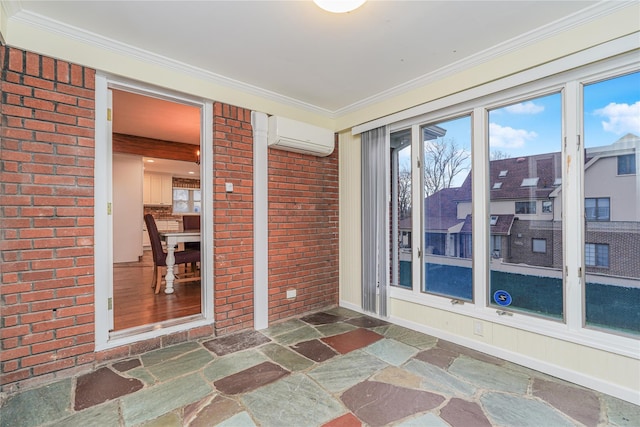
304, 333
391, 351
232, 364
236, 342
426, 420
376, 374
158, 356
407, 336
37, 406
102, 415
152, 402
321, 318
489, 376
579, 403
462, 413
315, 350
102, 385
299, 402
250, 379
379, 404
345, 371
285, 357
438, 380
181, 365
352, 340
211, 411
509, 410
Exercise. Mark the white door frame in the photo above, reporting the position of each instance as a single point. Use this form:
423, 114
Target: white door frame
103, 226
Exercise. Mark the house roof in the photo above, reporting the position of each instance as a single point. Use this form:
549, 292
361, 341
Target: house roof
441, 209
502, 226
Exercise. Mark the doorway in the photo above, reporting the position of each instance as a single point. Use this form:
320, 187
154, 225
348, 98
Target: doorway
159, 133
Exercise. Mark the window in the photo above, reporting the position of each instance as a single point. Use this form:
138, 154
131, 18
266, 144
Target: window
503, 173
539, 246
596, 255
547, 206
497, 185
447, 262
186, 200
525, 207
529, 133
611, 298
496, 246
401, 175
627, 164
493, 220
597, 209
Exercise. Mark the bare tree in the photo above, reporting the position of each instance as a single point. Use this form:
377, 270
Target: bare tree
498, 155
443, 161
404, 192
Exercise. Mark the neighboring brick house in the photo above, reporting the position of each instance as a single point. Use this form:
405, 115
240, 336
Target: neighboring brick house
47, 220
526, 212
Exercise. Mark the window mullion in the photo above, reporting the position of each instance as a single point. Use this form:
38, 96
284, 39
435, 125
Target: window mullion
573, 205
480, 204
417, 213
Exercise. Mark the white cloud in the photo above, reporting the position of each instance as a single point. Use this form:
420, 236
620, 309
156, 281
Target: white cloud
621, 118
525, 108
508, 137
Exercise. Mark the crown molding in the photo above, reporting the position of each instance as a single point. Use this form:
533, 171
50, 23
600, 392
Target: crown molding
600, 9
142, 55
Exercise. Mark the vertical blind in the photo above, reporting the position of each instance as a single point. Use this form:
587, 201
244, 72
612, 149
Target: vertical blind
375, 220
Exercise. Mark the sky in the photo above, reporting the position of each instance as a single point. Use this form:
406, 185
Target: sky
611, 110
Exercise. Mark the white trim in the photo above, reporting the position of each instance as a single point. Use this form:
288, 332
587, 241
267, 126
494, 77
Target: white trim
102, 271
259, 122
206, 221
103, 262
598, 53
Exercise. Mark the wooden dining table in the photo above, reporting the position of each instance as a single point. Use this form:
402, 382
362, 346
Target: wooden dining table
172, 238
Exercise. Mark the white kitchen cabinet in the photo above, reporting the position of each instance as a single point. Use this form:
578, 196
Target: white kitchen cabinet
158, 189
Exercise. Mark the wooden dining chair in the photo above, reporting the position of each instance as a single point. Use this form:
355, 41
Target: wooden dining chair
160, 256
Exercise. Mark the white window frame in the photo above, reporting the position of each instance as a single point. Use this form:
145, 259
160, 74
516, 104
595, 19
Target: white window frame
568, 77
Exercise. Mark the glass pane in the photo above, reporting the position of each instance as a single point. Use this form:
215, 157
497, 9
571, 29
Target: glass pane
525, 144
447, 208
401, 209
612, 208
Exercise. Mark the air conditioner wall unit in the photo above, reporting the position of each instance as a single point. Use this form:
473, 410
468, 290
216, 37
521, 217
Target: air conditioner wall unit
291, 135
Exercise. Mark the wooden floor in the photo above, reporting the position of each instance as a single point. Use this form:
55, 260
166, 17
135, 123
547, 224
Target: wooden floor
135, 304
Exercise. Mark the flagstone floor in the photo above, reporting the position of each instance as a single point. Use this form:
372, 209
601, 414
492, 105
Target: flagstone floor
335, 368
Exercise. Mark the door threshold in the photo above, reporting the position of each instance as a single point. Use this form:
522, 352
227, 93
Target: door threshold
159, 327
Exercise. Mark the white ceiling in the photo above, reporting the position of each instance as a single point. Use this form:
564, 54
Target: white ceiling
295, 49
298, 53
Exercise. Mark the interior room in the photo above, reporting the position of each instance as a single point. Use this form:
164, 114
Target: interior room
151, 138
267, 213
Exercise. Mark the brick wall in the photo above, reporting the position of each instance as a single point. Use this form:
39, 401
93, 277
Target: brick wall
46, 215
47, 226
233, 218
303, 232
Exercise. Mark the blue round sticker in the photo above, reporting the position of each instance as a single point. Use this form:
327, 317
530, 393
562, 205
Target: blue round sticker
502, 298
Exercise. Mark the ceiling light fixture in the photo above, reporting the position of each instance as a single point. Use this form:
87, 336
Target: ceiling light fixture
198, 157
339, 6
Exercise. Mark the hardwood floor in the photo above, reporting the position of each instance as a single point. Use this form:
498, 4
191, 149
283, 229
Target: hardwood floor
135, 304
